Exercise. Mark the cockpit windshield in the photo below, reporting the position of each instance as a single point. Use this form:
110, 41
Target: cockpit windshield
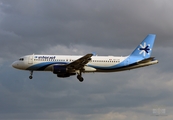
21, 59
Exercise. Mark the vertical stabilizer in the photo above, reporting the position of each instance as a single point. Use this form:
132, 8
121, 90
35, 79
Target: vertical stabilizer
144, 49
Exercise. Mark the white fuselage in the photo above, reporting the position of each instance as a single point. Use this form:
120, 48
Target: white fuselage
96, 64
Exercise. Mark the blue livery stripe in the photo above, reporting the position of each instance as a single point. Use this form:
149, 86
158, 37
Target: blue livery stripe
43, 65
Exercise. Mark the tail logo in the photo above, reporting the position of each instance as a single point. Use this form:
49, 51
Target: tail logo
144, 49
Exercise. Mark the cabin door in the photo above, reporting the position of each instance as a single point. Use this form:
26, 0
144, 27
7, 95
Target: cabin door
30, 59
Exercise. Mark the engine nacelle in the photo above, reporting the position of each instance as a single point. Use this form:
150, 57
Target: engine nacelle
63, 75
59, 69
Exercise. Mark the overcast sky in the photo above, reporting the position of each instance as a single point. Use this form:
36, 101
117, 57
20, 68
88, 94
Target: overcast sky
78, 27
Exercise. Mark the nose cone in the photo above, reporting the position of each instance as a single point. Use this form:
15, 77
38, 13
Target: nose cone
15, 64
19, 65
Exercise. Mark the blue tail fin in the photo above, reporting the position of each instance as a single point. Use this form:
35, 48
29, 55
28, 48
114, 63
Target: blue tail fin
144, 49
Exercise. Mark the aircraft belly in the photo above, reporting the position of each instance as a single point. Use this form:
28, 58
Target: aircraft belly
49, 68
89, 69
129, 67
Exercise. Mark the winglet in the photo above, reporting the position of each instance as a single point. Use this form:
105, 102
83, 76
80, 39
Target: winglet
94, 54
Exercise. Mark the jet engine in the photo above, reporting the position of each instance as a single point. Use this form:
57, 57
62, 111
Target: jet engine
61, 71
58, 69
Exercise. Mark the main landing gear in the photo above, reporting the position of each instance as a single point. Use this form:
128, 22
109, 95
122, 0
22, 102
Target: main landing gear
79, 76
31, 73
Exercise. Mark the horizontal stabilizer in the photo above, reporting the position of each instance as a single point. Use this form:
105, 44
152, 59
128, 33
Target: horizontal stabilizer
146, 60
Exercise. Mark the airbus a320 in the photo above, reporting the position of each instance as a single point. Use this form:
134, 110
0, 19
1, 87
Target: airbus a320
68, 65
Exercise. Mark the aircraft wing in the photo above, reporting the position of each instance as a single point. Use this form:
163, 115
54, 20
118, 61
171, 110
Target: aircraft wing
79, 63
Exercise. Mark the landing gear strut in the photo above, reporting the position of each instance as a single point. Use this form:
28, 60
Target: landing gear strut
79, 77
31, 73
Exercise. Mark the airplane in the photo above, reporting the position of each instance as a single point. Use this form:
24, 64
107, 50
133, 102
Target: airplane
69, 65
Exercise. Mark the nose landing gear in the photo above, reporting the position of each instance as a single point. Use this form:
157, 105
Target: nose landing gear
31, 73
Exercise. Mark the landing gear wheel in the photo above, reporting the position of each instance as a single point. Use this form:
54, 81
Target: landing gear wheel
30, 77
80, 78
